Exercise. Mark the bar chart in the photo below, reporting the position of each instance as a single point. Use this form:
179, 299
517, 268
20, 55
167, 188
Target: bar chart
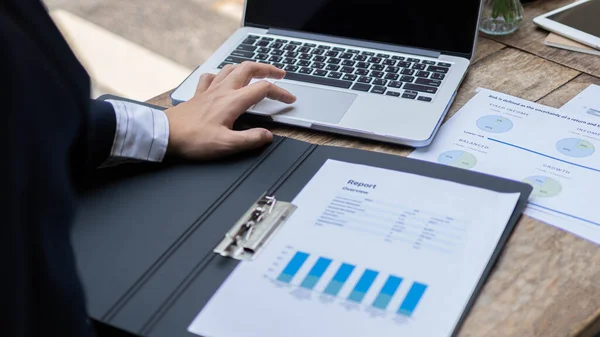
357, 282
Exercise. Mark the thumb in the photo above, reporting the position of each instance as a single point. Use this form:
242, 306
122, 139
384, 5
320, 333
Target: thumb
249, 139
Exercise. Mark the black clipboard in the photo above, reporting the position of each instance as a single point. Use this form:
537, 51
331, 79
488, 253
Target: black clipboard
145, 233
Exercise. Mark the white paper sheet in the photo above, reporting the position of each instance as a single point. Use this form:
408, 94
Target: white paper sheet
586, 105
556, 152
354, 223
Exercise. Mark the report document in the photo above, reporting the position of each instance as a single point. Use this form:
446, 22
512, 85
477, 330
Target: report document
555, 151
368, 252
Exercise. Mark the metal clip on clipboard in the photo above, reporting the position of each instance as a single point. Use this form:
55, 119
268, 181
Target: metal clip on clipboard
255, 228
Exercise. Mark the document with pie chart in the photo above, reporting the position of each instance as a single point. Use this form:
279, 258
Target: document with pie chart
556, 152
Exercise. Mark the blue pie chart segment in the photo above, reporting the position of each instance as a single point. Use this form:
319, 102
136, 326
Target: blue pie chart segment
458, 158
575, 147
494, 124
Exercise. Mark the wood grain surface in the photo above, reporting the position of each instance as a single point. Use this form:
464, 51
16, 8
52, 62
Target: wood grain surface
547, 281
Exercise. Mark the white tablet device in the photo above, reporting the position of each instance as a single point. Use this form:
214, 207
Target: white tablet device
578, 21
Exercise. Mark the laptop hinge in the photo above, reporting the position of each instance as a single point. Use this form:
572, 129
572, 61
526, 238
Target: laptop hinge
356, 43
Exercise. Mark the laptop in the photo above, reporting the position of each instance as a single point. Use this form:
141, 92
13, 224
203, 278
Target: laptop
386, 70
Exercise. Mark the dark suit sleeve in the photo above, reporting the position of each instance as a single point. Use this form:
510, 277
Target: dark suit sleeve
102, 124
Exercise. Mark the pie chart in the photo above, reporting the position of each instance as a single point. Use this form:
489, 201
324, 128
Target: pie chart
575, 147
457, 158
543, 186
494, 124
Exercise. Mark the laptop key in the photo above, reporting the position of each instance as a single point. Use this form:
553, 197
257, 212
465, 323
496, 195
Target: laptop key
361, 87
246, 47
305, 56
399, 58
332, 53
404, 64
318, 65
261, 57
438, 76
334, 61
408, 79
279, 65
377, 67
349, 63
318, 51
339, 49
276, 45
353, 51
375, 59
303, 63
319, 80
305, 71
377, 74
419, 66
267, 38
368, 53
234, 59
361, 72
389, 62
262, 43
360, 58
347, 70
334, 75
407, 72
424, 99
394, 70
241, 53
346, 56
410, 59
436, 69
276, 52
309, 45
281, 41
296, 43
390, 76
332, 67
319, 73
446, 65
426, 81
378, 90
362, 65
289, 60
349, 77
420, 88
395, 84
291, 54
276, 59
380, 81
249, 41
393, 93
409, 95
324, 47
424, 74
427, 62
319, 58
291, 68
364, 79
384, 56
263, 50
290, 47
304, 50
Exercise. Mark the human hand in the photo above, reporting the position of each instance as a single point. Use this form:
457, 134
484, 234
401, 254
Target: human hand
201, 127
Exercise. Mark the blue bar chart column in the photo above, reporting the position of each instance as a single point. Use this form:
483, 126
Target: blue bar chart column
340, 277
292, 267
363, 285
412, 299
315, 273
387, 292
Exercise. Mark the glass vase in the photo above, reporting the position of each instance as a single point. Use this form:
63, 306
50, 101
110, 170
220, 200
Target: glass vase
501, 17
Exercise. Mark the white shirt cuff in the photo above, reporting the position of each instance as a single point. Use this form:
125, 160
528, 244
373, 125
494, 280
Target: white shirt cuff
142, 134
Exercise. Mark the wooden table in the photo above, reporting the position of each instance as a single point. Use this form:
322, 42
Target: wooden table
547, 281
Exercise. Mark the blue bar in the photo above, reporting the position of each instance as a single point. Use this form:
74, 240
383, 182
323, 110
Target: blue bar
292, 267
340, 277
387, 292
363, 285
412, 299
315, 273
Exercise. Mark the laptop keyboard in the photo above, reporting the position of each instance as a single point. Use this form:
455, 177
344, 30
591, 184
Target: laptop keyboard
390, 74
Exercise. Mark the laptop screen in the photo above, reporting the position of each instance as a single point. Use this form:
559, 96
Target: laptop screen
447, 26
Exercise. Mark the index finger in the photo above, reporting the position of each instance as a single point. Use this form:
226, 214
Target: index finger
245, 72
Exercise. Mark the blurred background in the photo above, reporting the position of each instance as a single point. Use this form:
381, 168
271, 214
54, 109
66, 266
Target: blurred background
141, 48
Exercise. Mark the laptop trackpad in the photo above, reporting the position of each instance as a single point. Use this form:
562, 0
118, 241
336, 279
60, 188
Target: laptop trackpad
315, 104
